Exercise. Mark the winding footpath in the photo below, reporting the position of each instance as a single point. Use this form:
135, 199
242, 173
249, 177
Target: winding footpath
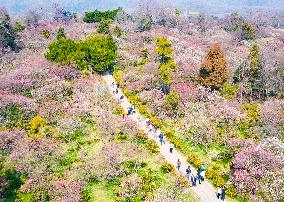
205, 191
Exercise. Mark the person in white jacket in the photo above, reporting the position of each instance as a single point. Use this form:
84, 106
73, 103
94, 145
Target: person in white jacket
219, 191
171, 147
158, 132
202, 174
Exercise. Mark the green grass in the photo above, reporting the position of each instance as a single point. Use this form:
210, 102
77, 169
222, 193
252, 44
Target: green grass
99, 191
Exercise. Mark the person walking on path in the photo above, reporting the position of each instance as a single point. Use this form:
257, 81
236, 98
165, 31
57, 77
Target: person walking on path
161, 137
164, 139
188, 172
178, 165
149, 124
133, 109
158, 132
129, 111
202, 175
223, 192
193, 180
219, 192
150, 128
171, 147
198, 176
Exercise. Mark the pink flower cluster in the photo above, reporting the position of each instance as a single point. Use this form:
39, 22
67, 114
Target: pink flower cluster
251, 165
7, 98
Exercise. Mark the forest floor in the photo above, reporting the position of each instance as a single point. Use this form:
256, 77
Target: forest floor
205, 191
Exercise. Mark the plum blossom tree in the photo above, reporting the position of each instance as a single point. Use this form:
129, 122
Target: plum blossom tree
253, 165
33, 18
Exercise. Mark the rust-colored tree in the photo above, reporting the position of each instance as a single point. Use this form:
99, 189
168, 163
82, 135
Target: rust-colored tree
213, 72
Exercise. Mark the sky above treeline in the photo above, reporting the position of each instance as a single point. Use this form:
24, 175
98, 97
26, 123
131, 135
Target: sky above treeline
209, 7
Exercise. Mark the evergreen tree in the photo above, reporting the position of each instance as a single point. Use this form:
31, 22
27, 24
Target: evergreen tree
247, 32
145, 53
97, 52
103, 27
172, 100
62, 51
117, 31
97, 16
100, 51
145, 24
7, 32
213, 72
255, 73
19, 27
60, 33
167, 65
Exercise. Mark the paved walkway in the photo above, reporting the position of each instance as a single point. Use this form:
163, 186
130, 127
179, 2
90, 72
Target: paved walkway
205, 191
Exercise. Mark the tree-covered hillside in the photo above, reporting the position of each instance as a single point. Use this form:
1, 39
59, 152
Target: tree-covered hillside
213, 87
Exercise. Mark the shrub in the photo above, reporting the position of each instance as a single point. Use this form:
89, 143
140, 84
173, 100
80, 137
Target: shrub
119, 110
167, 168
195, 160
98, 16
229, 91
36, 126
45, 33
231, 191
172, 138
118, 74
213, 173
88, 119
121, 136
155, 121
152, 146
182, 182
142, 136
252, 111
150, 183
213, 72
143, 109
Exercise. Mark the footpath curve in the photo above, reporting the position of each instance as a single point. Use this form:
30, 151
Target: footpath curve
205, 191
